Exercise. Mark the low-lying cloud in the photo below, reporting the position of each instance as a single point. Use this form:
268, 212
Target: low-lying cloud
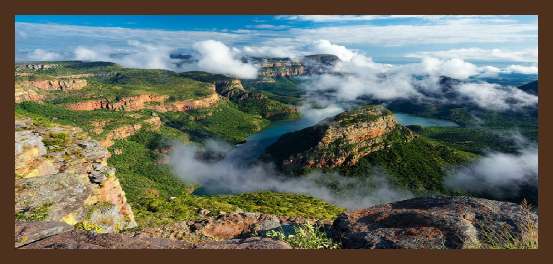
501, 175
216, 57
228, 176
357, 75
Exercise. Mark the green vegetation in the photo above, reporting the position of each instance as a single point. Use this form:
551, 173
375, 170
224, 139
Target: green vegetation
158, 197
39, 213
419, 165
224, 121
475, 140
46, 114
305, 237
285, 90
112, 82
289, 204
267, 108
57, 141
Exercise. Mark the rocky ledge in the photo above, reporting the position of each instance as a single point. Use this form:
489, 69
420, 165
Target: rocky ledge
436, 223
62, 176
337, 141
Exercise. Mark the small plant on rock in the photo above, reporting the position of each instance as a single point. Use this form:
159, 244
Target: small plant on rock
305, 236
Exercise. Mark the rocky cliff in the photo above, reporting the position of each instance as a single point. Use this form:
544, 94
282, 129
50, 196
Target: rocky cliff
60, 84
341, 140
61, 175
419, 223
254, 102
439, 223
159, 103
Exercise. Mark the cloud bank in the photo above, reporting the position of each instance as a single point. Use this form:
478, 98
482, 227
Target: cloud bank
224, 176
216, 57
359, 76
499, 174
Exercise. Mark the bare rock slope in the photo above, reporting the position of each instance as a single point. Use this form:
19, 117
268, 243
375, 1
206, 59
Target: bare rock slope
436, 223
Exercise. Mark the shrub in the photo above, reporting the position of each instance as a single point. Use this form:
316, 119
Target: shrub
305, 236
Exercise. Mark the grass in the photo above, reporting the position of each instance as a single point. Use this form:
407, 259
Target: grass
158, 197
287, 204
285, 90
47, 114
419, 165
39, 213
505, 238
475, 140
112, 82
224, 121
305, 236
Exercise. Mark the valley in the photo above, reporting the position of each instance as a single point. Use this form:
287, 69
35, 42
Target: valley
201, 160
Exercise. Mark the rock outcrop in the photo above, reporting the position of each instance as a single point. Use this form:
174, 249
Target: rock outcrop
82, 240
319, 63
35, 66
226, 226
146, 101
60, 84
337, 141
434, 223
62, 176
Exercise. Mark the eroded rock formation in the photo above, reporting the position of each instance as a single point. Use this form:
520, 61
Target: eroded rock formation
341, 140
62, 176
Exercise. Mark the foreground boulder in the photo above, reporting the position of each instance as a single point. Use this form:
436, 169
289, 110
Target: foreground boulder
435, 223
76, 239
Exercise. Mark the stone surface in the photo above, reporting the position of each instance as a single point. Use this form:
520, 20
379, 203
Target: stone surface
248, 243
67, 180
82, 240
431, 222
29, 232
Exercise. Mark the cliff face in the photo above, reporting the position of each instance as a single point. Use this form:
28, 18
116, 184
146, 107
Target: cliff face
63, 176
286, 67
341, 140
253, 101
146, 101
60, 84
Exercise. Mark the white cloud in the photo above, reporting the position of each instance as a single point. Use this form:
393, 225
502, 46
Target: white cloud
43, 55
479, 54
216, 57
138, 55
496, 97
269, 51
349, 18
521, 69
449, 32
500, 174
454, 68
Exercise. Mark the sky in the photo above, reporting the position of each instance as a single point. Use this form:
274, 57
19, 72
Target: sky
483, 40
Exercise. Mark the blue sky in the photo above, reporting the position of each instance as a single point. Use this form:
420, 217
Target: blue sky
493, 40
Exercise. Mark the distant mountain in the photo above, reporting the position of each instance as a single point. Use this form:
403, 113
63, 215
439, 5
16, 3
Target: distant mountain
531, 87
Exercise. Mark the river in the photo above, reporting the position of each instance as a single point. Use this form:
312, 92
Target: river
257, 143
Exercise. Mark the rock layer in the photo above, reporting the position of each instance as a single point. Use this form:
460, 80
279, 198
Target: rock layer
146, 101
341, 140
62, 176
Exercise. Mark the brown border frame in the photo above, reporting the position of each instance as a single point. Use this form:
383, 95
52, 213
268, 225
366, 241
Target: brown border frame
9, 10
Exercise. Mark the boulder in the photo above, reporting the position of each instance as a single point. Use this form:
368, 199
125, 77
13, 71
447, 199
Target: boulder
432, 222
